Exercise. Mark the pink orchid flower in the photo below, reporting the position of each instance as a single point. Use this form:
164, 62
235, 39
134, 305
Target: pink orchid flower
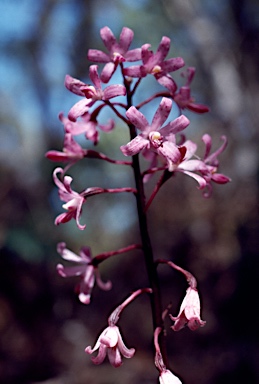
87, 272
86, 125
183, 96
118, 52
72, 151
206, 168
92, 93
155, 64
155, 137
110, 343
73, 200
189, 313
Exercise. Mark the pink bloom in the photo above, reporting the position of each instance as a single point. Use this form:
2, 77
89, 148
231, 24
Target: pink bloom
167, 377
153, 136
72, 151
87, 125
155, 64
183, 96
110, 343
87, 272
73, 200
117, 51
189, 312
206, 168
92, 93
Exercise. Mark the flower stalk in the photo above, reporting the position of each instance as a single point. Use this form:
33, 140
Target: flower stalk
164, 147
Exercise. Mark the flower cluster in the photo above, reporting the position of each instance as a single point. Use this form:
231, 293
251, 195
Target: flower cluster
163, 144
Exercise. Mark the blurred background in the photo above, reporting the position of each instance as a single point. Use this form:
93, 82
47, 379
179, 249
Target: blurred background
43, 326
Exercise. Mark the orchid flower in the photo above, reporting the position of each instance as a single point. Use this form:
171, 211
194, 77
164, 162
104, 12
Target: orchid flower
155, 64
83, 268
110, 343
117, 51
73, 200
155, 137
72, 151
189, 313
183, 97
92, 93
206, 168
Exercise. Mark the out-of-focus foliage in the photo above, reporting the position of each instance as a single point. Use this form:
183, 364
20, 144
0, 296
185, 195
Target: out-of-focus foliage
43, 328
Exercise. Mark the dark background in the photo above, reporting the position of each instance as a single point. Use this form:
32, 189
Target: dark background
43, 327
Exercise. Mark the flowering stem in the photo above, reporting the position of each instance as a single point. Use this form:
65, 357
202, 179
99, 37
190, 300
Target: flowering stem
155, 298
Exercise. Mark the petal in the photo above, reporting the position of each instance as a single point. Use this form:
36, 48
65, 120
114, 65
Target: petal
167, 82
198, 108
108, 127
172, 64
70, 271
180, 322
67, 254
85, 254
212, 159
169, 151
78, 214
101, 355
193, 165
64, 218
88, 279
163, 49
58, 183
93, 74
191, 148
133, 55
109, 336
108, 38
114, 91
162, 113
74, 85
146, 55
219, 178
133, 71
208, 142
195, 323
126, 352
107, 72
135, 146
104, 286
200, 180
85, 298
114, 357
137, 118
175, 126
58, 156
80, 108
125, 39
97, 56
